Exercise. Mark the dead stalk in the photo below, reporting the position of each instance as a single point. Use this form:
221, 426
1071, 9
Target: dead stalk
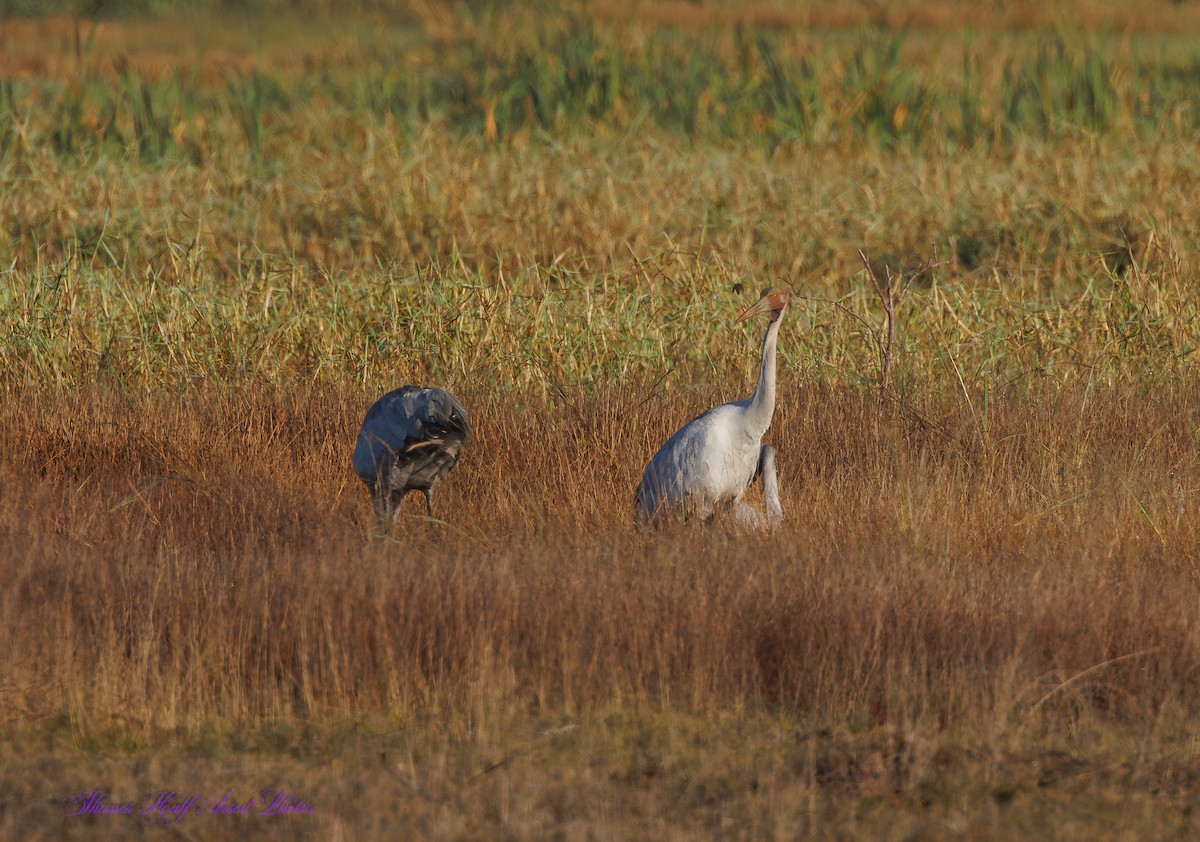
891, 289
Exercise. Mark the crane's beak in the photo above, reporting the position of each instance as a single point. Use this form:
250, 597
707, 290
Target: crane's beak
772, 302
760, 306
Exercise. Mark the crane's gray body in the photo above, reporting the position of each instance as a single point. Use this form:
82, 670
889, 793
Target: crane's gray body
410, 439
705, 468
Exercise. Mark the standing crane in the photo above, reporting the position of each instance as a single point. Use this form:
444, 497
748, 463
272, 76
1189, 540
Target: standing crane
706, 467
410, 439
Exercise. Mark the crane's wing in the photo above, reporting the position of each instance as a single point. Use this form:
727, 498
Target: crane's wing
403, 419
697, 468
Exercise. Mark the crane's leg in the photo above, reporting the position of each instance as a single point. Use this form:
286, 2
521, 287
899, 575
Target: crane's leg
429, 500
770, 485
381, 502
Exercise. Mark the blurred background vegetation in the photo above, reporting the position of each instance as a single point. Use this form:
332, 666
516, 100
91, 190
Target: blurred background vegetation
513, 189
793, 74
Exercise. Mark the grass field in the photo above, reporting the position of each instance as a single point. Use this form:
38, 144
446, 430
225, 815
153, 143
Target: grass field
219, 243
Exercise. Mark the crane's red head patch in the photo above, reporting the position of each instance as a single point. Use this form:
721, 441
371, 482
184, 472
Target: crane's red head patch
772, 303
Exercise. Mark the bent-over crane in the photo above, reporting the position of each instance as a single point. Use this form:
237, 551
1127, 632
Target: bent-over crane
708, 464
410, 439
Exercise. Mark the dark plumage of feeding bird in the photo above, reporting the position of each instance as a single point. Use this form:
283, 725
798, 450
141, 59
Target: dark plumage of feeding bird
410, 439
707, 465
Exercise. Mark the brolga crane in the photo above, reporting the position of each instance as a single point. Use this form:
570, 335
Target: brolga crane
706, 467
409, 441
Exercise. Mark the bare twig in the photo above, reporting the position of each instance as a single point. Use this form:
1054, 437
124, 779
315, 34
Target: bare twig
892, 290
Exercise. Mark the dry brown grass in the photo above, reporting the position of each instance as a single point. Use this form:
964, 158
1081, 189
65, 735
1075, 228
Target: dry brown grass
179, 560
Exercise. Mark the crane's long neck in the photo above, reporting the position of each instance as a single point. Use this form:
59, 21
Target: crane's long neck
762, 402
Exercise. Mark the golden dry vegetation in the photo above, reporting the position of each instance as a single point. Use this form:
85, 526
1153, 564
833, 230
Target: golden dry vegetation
979, 619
